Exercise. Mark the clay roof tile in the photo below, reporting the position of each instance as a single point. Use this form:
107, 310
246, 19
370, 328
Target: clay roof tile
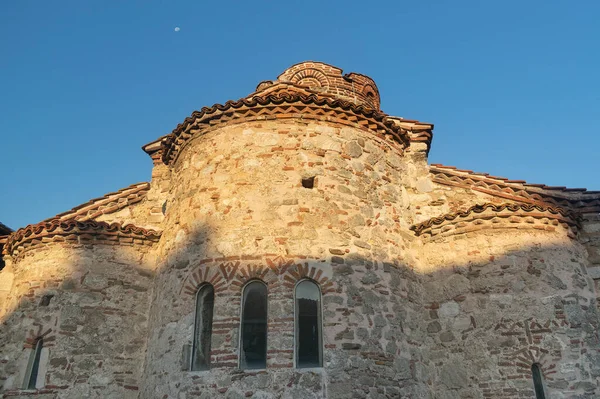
108, 203
550, 194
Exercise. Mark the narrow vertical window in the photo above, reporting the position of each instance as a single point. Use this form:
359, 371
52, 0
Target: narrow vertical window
33, 366
254, 327
538, 381
309, 351
205, 300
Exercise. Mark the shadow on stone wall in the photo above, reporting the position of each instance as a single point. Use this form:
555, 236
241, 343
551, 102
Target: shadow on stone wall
464, 330
94, 324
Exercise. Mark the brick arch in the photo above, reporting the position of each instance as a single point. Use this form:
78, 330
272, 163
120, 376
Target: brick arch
371, 94
39, 332
254, 271
530, 355
311, 74
204, 275
298, 272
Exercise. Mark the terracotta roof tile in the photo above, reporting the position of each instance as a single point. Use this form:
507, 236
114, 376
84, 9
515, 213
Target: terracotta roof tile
489, 211
518, 190
341, 111
106, 204
506, 180
77, 232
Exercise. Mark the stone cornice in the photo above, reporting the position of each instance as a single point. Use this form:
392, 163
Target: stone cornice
503, 216
283, 105
77, 232
577, 199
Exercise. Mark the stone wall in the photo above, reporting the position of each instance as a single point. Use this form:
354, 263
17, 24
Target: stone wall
590, 237
94, 327
497, 303
238, 210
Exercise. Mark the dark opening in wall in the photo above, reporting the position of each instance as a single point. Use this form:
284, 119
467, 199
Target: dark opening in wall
46, 300
538, 381
164, 208
33, 366
308, 182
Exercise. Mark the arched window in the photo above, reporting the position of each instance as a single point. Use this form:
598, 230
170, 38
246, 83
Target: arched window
538, 381
205, 300
309, 352
33, 366
253, 341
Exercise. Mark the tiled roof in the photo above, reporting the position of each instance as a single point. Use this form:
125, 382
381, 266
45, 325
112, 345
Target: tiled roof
501, 216
418, 132
307, 90
77, 232
109, 203
518, 190
4, 229
281, 105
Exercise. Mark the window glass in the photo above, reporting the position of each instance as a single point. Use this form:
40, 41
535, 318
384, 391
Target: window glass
205, 299
308, 325
34, 365
254, 327
538, 381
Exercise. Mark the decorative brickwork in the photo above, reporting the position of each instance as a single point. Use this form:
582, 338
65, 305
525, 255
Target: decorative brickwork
272, 270
44, 332
353, 87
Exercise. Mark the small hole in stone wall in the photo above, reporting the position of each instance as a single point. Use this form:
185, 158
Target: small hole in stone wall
308, 182
164, 208
46, 300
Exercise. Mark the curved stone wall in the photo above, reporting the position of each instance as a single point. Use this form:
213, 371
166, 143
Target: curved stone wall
238, 210
498, 301
93, 325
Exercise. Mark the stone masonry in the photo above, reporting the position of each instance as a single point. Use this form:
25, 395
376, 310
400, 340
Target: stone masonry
436, 282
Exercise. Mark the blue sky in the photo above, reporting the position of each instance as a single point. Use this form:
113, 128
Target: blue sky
513, 87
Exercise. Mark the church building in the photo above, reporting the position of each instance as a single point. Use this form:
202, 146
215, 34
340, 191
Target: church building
297, 244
